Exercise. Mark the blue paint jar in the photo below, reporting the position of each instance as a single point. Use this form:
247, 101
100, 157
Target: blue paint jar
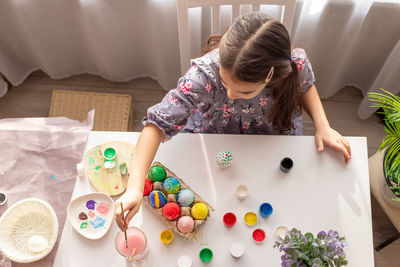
265, 209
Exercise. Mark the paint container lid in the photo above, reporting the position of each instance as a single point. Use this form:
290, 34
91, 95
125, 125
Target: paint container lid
229, 219
184, 261
3, 198
251, 218
166, 237
206, 255
286, 164
109, 164
265, 209
123, 168
109, 153
259, 236
80, 170
242, 192
280, 232
237, 249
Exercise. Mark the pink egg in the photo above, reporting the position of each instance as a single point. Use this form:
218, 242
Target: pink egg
185, 224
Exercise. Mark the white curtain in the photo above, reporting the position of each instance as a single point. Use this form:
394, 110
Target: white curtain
349, 42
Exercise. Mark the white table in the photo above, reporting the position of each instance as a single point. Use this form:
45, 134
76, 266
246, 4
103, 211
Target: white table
319, 193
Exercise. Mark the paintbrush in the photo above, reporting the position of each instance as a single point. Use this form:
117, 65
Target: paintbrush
133, 253
123, 218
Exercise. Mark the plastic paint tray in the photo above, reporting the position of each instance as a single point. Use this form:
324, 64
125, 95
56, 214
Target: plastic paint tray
98, 218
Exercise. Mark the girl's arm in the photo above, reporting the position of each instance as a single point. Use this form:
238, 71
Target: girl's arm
324, 134
145, 150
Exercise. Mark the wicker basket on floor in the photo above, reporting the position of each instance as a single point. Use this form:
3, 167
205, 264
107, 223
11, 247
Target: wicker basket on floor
112, 111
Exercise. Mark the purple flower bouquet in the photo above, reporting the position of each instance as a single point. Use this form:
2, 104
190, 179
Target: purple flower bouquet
326, 249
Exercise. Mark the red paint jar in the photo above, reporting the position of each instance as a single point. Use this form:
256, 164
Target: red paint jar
259, 235
229, 219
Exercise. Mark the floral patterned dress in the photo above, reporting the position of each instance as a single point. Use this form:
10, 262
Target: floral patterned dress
200, 103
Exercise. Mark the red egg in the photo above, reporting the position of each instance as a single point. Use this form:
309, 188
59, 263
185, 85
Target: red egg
148, 187
171, 211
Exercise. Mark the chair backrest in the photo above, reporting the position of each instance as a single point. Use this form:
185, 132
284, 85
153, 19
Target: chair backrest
183, 6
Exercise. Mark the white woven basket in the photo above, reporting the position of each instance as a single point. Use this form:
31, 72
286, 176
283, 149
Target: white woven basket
24, 219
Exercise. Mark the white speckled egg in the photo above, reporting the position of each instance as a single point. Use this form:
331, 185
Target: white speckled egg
224, 159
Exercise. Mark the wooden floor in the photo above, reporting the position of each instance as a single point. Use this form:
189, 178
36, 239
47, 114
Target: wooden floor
32, 99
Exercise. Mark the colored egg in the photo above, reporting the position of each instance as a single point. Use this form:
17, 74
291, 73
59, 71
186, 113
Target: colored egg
148, 187
224, 159
171, 185
157, 199
199, 211
157, 174
185, 224
171, 211
185, 198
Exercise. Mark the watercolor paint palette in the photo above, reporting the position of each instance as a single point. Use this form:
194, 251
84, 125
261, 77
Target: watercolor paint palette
109, 180
91, 215
171, 198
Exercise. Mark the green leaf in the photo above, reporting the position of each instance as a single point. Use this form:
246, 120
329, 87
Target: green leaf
309, 236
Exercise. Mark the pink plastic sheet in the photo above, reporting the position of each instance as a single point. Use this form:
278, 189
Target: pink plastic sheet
38, 158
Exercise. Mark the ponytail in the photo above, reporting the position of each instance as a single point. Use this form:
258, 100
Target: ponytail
287, 101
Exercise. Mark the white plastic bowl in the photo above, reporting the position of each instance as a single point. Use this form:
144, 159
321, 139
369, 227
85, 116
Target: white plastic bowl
26, 218
78, 205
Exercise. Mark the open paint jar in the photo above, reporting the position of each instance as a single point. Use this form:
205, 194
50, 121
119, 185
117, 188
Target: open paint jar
286, 164
259, 236
136, 240
242, 192
229, 219
166, 237
251, 218
206, 255
3, 198
265, 209
109, 153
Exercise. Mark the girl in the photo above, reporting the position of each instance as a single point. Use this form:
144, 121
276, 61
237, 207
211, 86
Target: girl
250, 82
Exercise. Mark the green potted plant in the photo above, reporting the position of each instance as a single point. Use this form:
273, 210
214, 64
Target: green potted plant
390, 105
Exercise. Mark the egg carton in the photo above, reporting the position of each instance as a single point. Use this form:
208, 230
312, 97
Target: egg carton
172, 224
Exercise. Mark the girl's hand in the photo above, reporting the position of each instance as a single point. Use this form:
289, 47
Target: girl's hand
327, 136
131, 200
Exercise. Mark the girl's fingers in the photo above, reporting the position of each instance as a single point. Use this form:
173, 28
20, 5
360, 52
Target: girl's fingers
341, 147
347, 145
131, 213
320, 144
118, 215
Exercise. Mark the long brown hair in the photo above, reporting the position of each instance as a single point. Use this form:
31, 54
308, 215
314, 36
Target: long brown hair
254, 44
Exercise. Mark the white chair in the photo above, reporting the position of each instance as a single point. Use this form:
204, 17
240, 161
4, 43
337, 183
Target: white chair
183, 6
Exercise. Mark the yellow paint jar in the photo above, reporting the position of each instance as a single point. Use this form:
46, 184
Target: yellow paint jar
166, 237
250, 218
